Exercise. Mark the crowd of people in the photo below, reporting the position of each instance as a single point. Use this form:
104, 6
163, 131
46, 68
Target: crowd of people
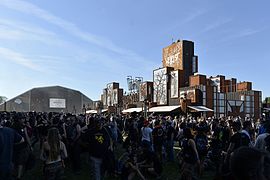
131, 146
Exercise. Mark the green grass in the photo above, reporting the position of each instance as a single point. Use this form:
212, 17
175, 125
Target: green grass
170, 171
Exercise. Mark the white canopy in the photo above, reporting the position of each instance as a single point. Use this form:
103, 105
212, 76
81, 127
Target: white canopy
266, 109
130, 110
95, 111
163, 108
91, 111
200, 108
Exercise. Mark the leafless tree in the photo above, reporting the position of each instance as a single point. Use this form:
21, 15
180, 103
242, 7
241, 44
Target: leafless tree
160, 86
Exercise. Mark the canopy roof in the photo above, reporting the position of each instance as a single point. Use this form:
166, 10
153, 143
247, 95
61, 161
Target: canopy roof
163, 108
130, 110
200, 108
95, 111
266, 109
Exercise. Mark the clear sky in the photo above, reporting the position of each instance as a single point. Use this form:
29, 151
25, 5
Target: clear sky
85, 44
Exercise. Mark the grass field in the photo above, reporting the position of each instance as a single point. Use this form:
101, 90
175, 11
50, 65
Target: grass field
170, 171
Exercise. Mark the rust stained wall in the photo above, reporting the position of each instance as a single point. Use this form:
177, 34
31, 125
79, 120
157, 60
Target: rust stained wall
244, 86
222, 83
219, 81
230, 85
120, 96
197, 80
179, 56
210, 99
173, 56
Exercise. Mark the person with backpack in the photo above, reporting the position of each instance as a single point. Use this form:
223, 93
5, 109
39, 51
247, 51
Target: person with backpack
190, 156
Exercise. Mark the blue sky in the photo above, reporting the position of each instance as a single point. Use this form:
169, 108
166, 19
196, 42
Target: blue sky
86, 44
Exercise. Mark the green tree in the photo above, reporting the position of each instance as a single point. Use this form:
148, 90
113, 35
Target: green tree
2, 99
267, 100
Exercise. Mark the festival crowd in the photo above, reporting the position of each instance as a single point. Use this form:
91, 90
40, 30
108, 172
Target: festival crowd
133, 147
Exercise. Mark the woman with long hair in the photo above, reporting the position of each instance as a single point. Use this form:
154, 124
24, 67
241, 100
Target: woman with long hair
53, 153
190, 156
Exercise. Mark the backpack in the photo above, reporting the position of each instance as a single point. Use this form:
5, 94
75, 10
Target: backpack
201, 143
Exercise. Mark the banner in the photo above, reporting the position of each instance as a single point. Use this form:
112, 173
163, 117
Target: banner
109, 94
174, 84
173, 56
57, 103
115, 96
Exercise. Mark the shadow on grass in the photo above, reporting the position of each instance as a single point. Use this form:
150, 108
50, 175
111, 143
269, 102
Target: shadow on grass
170, 170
